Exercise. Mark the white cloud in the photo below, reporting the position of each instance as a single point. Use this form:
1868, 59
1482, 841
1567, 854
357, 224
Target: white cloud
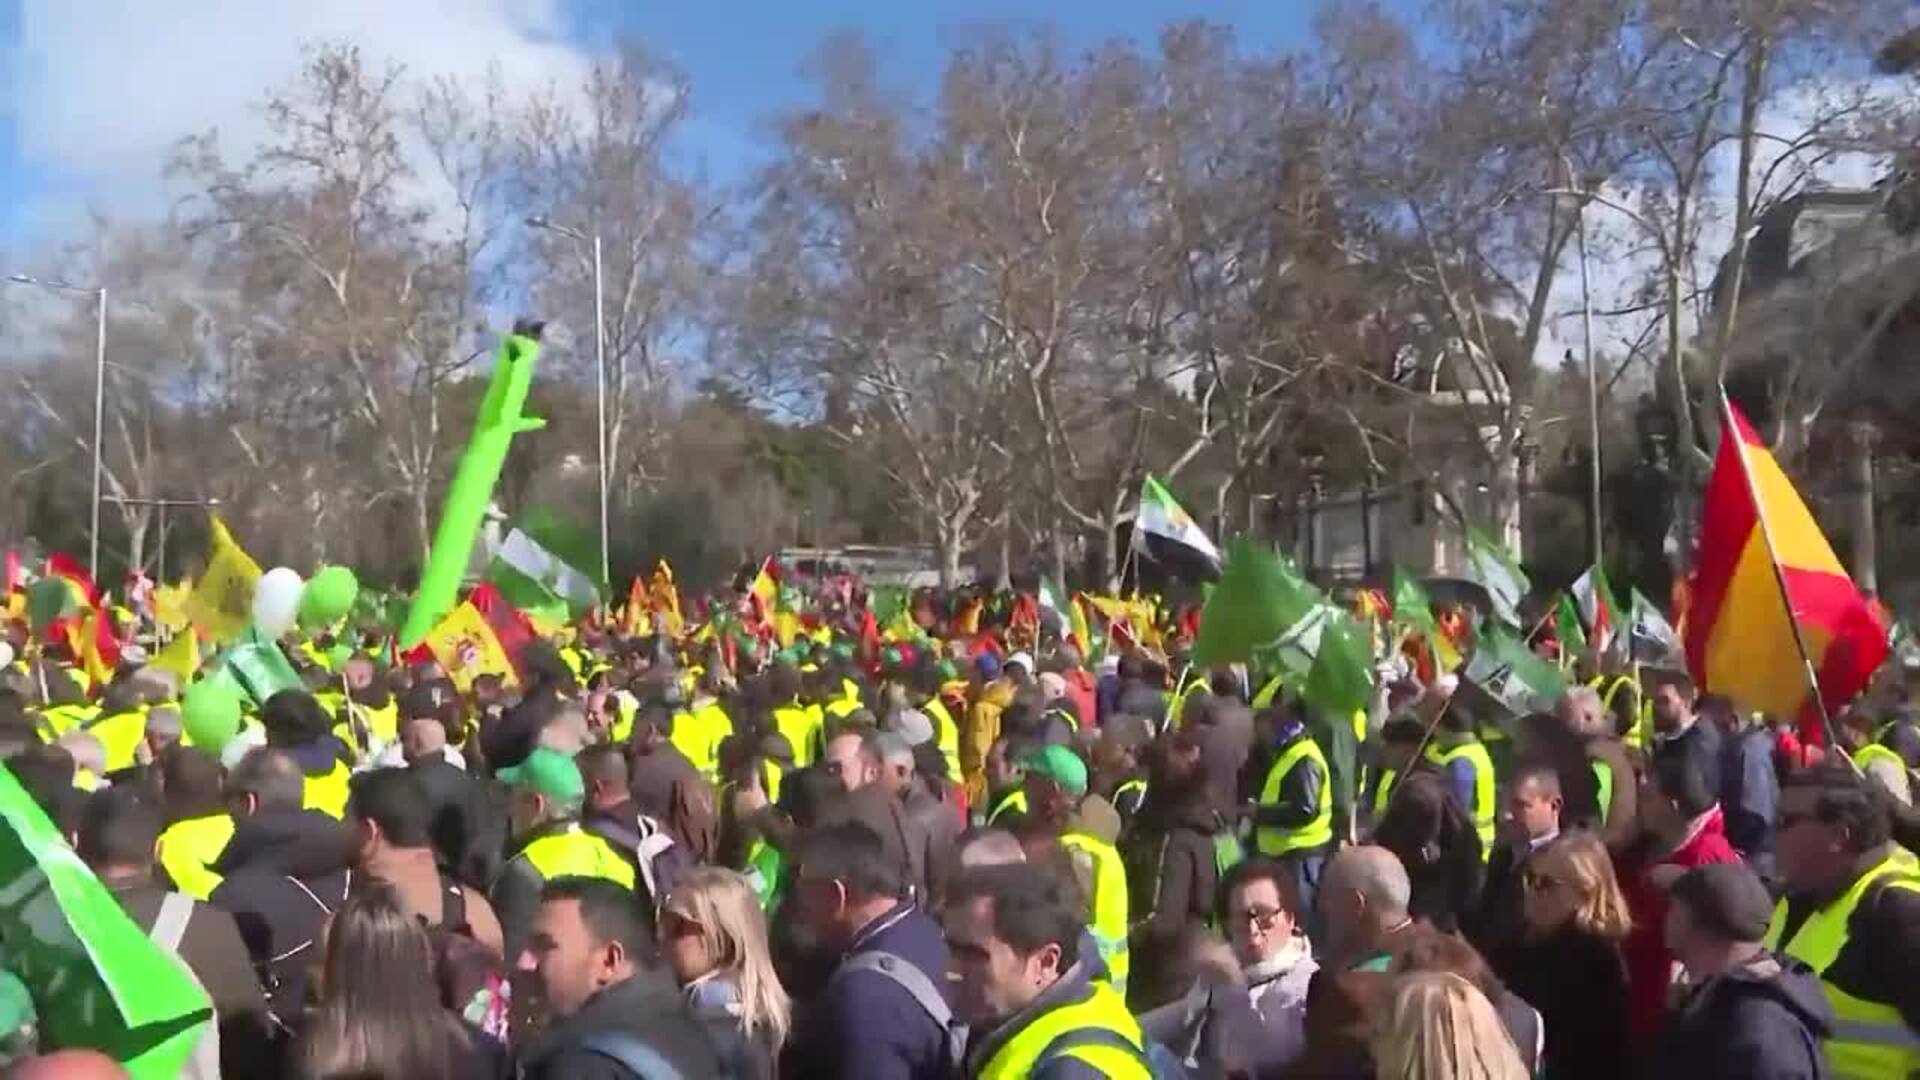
100, 89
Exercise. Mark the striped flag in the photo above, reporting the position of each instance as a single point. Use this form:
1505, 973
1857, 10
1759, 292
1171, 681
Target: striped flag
548, 568
1769, 588
1597, 606
1161, 518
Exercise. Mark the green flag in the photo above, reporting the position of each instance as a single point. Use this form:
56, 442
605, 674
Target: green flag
1567, 628
258, 665
1257, 599
1496, 570
1338, 686
548, 568
1412, 607
98, 981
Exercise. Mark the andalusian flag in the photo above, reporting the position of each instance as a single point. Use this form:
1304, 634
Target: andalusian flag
465, 645
1768, 589
548, 569
1651, 639
1497, 571
1163, 529
221, 605
1597, 607
1567, 629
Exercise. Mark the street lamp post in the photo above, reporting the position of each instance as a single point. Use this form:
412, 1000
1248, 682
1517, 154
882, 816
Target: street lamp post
99, 399
599, 372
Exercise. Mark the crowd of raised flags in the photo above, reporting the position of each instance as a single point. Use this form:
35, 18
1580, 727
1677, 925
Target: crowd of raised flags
1773, 623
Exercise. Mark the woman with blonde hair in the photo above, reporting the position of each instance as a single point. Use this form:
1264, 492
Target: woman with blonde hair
1438, 1026
1567, 963
714, 937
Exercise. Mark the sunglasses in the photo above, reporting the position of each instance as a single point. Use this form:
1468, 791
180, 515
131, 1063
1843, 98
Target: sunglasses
1537, 882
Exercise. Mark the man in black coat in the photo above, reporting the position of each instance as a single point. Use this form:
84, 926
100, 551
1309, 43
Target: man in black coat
283, 874
1534, 807
1748, 1013
616, 1012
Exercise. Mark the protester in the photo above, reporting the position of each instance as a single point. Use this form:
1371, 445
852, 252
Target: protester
1435, 839
714, 938
608, 812
117, 837
1567, 963
296, 724
1293, 818
198, 825
1363, 908
1749, 786
1682, 828
549, 843
391, 822
1439, 1027
615, 1013
282, 876
1057, 833
669, 788
1677, 730
1035, 1004
1613, 809
1450, 954
453, 797
379, 1012
878, 1016
1175, 851
1261, 915
1852, 913
1745, 1014
1534, 809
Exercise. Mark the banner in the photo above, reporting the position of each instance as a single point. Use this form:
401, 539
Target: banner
222, 601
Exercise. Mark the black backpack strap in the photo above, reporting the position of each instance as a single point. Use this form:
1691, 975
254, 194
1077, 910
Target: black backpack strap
453, 907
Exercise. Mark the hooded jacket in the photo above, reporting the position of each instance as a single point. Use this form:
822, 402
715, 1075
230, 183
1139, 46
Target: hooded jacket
284, 873
1761, 1021
646, 1009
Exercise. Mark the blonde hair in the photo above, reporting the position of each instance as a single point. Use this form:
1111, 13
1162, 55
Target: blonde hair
1603, 909
731, 925
1438, 1026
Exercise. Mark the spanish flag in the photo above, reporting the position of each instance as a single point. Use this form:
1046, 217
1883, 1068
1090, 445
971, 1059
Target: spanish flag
466, 646
1767, 586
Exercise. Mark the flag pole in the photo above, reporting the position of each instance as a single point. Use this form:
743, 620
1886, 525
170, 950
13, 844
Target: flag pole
1727, 430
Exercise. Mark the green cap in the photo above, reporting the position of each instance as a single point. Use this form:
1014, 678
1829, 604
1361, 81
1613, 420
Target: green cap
1060, 765
546, 772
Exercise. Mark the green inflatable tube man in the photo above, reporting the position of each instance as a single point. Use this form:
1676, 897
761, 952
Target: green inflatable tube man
473, 482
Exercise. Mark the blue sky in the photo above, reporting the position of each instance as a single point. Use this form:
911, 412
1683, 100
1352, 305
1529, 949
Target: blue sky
92, 92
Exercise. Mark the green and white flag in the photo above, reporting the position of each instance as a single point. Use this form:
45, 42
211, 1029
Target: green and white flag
1490, 565
1653, 640
1162, 518
544, 565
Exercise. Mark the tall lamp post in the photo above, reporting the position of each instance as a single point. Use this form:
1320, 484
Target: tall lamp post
99, 294
599, 371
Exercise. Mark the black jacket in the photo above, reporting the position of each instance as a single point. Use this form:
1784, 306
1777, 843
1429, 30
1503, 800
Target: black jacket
285, 871
647, 1009
1578, 982
1172, 869
1762, 1021
1499, 920
455, 800
1428, 830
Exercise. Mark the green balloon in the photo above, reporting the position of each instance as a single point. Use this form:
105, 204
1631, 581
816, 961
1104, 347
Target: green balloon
329, 596
210, 715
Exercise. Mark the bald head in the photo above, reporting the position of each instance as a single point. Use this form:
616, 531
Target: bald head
989, 847
1583, 711
69, 1065
1376, 876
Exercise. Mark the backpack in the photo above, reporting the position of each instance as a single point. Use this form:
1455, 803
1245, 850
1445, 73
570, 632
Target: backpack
924, 993
474, 981
657, 859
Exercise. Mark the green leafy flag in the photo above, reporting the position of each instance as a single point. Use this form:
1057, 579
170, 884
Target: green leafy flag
100, 982
1652, 639
1337, 687
1498, 572
1256, 601
1412, 607
1504, 666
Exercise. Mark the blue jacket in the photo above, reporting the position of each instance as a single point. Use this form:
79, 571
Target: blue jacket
1748, 791
865, 1026
1762, 1021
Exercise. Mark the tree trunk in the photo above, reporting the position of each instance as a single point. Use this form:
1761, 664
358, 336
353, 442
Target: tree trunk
948, 536
1110, 556
422, 522
1003, 572
1860, 469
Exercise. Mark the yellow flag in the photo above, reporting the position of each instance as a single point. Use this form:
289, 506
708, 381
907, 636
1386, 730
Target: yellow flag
170, 605
786, 627
222, 602
466, 646
180, 656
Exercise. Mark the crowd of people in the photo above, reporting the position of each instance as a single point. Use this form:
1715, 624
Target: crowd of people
989, 859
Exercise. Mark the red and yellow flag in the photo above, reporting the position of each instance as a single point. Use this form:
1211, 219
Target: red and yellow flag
665, 601
1765, 572
466, 646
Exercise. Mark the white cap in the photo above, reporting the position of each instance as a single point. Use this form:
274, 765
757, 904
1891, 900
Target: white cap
1025, 660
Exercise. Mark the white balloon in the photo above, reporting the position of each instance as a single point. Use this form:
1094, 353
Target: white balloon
276, 601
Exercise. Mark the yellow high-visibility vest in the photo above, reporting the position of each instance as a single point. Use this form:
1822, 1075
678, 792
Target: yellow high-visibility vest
328, 793
188, 850
946, 733
574, 852
801, 727
1109, 902
1113, 1046
1015, 800
1483, 797
1868, 1040
1271, 840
